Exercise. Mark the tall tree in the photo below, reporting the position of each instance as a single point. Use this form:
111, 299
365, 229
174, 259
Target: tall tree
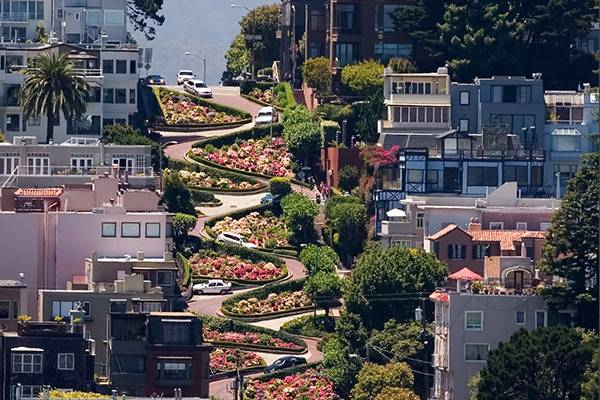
316, 74
571, 246
237, 56
53, 87
364, 77
143, 14
298, 213
302, 134
547, 363
324, 288
263, 21
339, 366
374, 379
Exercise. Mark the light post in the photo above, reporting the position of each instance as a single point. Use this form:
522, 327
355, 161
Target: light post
293, 47
187, 53
420, 317
253, 33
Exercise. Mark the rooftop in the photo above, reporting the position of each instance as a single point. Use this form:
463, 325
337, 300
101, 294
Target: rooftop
506, 238
38, 192
8, 283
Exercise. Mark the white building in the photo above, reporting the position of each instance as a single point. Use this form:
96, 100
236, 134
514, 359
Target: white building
19, 19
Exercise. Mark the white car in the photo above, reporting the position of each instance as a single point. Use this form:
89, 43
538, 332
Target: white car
213, 286
184, 75
197, 88
265, 116
234, 238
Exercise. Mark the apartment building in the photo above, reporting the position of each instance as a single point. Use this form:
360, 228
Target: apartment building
362, 30
156, 352
19, 19
45, 353
13, 303
95, 300
25, 162
470, 323
54, 230
112, 74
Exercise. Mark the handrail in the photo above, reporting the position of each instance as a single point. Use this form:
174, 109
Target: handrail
61, 170
11, 178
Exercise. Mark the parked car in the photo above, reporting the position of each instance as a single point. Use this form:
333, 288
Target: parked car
155, 80
234, 238
284, 362
184, 75
264, 78
265, 116
197, 88
213, 286
268, 199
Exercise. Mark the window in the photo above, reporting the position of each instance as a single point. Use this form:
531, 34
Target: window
463, 125
521, 226
315, 20
347, 18
13, 122
169, 230
476, 352
420, 220
523, 94
176, 331
38, 165
121, 66
384, 17
94, 17
541, 319
432, 177
81, 164
131, 96
517, 174
109, 96
482, 176
544, 226
520, 318
537, 176
63, 308
465, 98
496, 94
4, 309
385, 51
480, 251
567, 141
130, 229
108, 66
66, 361
497, 226
164, 278
174, 370
109, 229
27, 363
39, 14
151, 306
346, 53
8, 164
456, 251
474, 320
403, 244
132, 67
28, 392
152, 229
114, 17
415, 176
120, 96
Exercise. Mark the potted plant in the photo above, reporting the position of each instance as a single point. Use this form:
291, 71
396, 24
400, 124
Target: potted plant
477, 287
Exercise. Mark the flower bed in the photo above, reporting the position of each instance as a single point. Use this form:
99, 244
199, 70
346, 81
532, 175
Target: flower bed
222, 360
206, 180
310, 325
262, 230
210, 264
264, 95
308, 385
182, 109
274, 303
263, 156
252, 339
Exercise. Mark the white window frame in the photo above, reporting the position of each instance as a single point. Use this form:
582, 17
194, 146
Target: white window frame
9, 163
81, 164
21, 366
474, 328
62, 361
501, 224
403, 244
475, 344
464, 102
38, 165
524, 317
420, 220
523, 226
463, 125
545, 312
544, 226
28, 392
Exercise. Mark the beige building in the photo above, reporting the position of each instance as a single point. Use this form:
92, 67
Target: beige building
13, 303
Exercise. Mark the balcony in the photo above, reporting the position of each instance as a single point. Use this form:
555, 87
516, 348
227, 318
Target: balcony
512, 154
398, 228
441, 99
40, 171
85, 72
14, 16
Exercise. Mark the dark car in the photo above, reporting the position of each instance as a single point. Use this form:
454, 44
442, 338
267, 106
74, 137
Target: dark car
285, 362
155, 80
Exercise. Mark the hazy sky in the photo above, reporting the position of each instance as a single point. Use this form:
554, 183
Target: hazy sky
203, 27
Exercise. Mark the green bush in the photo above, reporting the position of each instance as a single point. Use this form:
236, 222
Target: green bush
319, 259
299, 213
177, 196
334, 112
279, 186
348, 178
330, 130
247, 86
363, 77
310, 325
199, 196
284, 95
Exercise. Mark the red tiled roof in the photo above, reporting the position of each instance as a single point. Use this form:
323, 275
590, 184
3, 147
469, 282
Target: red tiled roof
35, 192
439, 295
444, 231
506, 238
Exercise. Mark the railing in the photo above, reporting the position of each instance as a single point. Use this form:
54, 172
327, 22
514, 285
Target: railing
14, 16
78, 71
511, 154
53, 170
108, 46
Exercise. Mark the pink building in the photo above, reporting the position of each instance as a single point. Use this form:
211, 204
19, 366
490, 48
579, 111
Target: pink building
48, 233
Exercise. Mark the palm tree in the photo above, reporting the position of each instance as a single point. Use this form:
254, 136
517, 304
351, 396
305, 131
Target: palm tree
52, 86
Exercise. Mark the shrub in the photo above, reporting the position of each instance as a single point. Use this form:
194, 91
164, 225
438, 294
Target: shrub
284, 95
182, 225
302, 134
330, 131
199, 196
319, 259
348, 178
128, 135
317, 75
363, 77
334, 112
177, 196
401, 65
299, 213
310, 325
324, 288
280, 187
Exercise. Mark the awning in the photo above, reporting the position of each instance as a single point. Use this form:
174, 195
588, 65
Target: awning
565, 132
27, 349
396, 213
466, 274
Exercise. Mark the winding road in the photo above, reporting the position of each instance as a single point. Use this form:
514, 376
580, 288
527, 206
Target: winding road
211, 304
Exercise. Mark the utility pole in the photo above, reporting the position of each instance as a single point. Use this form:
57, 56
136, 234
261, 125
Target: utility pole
331, 22
306, 32
420, 317
239, 377
293, 47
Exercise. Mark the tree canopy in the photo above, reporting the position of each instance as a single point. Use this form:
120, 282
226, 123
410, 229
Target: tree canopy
548, 363
571, 246
347, 224
319, 259
302, 133
398, 340
373, 379
263, 21
348, 178
339, 366
177, 196
316, 74
128, 135
298, 213
325, 288
143, 14
363, 77
237, 56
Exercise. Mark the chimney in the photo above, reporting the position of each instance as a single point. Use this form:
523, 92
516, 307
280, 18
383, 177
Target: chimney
94, 256
474, 224
168, 256
140, 255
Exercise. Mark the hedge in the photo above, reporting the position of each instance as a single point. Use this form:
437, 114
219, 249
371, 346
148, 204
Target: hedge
201, 196
244, 116
262, 293
256, 132
283, 93
246, 254
229, 325
282, 373
247, 86
309, 325
187, 270
330, 130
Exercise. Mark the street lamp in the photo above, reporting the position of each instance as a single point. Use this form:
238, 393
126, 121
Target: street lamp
253, 33
187, 53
